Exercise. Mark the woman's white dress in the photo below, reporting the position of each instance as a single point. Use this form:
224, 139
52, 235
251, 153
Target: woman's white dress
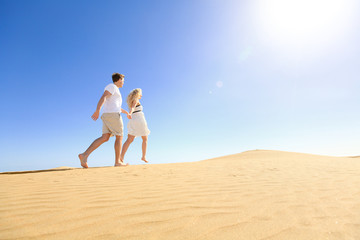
137, 125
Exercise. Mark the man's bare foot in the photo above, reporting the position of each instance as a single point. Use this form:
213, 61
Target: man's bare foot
121, 164
83, 160
144, 159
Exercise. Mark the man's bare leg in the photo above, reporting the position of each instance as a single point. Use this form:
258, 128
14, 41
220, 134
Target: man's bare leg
83, 160
144, 146
117, 147
126, 145
94, 145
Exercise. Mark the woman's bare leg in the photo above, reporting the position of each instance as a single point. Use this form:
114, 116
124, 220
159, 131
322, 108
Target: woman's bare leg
144, 146
125, 147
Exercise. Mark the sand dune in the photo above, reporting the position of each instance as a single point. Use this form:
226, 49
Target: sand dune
253, 195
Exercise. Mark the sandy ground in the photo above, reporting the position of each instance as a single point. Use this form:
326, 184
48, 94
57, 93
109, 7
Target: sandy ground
253, 195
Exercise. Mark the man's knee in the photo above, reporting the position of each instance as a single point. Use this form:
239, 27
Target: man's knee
105, 137
118, 138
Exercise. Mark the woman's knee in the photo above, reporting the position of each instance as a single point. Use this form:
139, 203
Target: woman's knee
130, 138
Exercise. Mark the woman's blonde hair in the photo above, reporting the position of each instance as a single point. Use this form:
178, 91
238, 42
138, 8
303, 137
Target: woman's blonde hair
133, 96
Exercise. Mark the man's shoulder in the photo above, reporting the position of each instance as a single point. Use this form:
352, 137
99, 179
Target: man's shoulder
111, 88
110, 85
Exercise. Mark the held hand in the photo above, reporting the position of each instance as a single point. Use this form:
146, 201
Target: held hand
128, 116
95, 116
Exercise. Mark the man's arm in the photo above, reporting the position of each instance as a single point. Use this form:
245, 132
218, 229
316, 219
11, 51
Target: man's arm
127, 114
96, 114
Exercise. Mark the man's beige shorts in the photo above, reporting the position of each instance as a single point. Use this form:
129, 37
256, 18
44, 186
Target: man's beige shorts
113, 124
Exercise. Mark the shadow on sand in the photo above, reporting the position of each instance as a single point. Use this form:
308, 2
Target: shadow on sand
39, 171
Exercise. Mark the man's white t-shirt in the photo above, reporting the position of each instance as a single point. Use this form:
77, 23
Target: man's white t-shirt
112, 103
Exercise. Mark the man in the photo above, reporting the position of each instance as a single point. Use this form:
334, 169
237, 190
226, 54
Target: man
112, 121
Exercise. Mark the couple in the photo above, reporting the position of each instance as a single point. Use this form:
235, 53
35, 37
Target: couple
112, 122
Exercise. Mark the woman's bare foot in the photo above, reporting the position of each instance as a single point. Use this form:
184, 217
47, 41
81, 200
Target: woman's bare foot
121, 164
144, 159
83, 160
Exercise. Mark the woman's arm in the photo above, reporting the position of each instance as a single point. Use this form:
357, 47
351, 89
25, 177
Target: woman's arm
133, 107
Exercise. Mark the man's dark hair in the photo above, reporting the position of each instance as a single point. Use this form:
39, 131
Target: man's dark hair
117, 76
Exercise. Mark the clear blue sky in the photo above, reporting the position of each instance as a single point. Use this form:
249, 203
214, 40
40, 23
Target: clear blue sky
218, 77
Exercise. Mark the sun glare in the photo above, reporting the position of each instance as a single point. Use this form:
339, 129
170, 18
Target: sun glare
304, 22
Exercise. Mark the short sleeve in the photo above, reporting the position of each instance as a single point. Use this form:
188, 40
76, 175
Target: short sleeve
110, 88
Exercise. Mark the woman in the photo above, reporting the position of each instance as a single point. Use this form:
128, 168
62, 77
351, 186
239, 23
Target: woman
137, 125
